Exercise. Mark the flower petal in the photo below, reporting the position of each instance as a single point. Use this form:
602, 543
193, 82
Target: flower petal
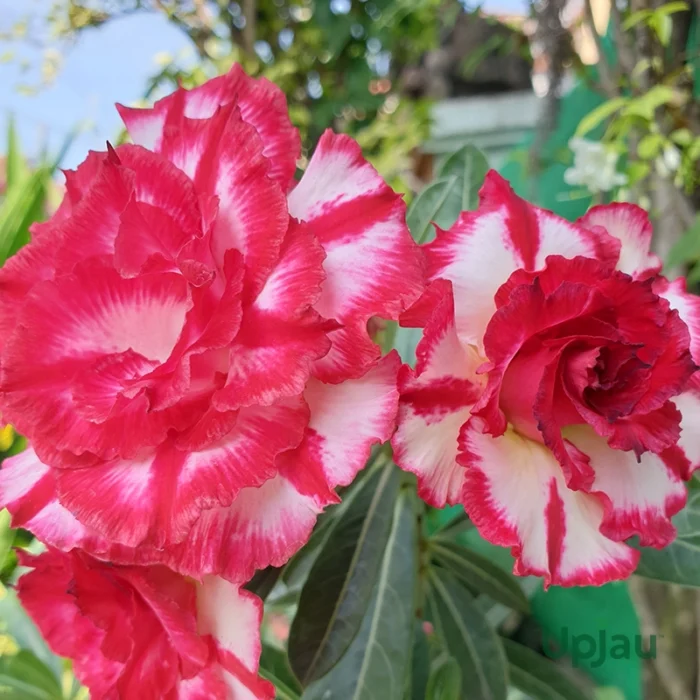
67, 631
346, 420
157, 499
688, 403
67, 326
516, 496
506, 233
630, 224
640, 495
224, 158
435, 402
373, 267
232, 616
262, 105
264, 526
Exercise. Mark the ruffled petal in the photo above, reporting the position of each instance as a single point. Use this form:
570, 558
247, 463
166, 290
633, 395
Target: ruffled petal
262, 105
640, 495
372, 265
224, 157
264, 526
282, 336
346, 421
687, 305
156, 499
435, 402
688, 447
232, 616
630, 224
506, 233
69, 326
33, 263
45, 595
516, 496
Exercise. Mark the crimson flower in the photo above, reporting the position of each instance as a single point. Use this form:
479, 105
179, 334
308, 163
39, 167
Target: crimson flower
185, 342
555, 394
146, 632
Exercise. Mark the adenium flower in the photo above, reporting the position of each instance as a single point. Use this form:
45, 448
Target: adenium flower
146, 632
185, 342
555, 393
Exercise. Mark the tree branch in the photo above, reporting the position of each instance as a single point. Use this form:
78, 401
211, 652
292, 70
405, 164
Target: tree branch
608, 80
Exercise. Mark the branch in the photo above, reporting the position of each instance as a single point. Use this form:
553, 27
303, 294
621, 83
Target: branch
664, 663
250, 14
608, 81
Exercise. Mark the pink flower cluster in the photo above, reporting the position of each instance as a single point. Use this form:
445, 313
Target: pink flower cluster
185, 344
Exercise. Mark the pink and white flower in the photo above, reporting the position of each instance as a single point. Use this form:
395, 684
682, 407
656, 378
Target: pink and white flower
146, 632
555, 394
185, 342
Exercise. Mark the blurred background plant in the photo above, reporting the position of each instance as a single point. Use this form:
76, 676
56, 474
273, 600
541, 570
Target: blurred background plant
575, 101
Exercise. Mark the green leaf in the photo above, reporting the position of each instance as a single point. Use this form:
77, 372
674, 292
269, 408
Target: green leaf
334, 600
470, 166
480, 574
15, 165
678, 562
21, 208
263, 581
377, 662
539, 677
454, 190
16, 623
469, 638
450, 529
599, 115
445, 682
7, 535
24, 673
439, 201
275, 668
649, 146
687, 248
646, 105
420, 664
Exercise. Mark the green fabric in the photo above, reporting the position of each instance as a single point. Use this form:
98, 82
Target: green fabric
586, 610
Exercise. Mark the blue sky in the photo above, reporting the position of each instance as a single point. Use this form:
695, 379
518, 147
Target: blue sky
109, 64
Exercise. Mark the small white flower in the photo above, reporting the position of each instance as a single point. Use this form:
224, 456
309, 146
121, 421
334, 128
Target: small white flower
595, 166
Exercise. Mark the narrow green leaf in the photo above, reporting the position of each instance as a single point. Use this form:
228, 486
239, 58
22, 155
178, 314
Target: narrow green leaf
263, 581
445, 682
599, 115
539, 677
24, 672
678, 562
7, 535
469, 638
21, 208
470, 166
275, 668
15, 622
298, 567
15, 165
480, 574
334, 600
453, 528
377, 662
420, 664
686, 249
440, 201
